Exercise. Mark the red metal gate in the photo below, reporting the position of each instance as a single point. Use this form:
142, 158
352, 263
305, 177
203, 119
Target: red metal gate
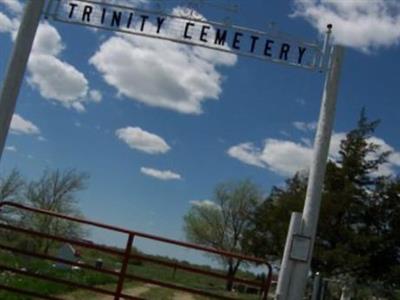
122, 275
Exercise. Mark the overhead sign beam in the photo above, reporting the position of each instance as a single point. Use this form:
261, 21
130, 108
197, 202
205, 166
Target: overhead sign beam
191, 30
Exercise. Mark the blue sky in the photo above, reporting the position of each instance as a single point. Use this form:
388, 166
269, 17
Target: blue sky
157, 125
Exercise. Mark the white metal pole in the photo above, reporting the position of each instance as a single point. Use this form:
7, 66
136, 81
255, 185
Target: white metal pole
317, 171
295, 276
17, 66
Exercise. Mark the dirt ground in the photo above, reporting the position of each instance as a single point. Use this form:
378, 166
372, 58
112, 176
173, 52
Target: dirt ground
181, 296
136, 291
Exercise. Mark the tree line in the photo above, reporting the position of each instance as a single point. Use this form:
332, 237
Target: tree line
358, 237
55, 191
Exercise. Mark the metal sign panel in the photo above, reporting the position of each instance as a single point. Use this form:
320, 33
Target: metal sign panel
191, 30
301, 246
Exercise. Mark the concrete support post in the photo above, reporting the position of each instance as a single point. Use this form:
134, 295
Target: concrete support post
287, 263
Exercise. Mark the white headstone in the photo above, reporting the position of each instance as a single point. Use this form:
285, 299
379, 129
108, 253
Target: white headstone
66, 252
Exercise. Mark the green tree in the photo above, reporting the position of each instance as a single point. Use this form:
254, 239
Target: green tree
221, 223
346, 236
358, 233
11, 186
11, 189
54, 191
268, 228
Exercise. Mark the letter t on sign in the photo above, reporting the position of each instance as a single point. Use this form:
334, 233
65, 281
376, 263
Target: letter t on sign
71, 12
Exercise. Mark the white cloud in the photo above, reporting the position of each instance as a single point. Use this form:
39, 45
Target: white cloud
205, 203
286, 157
55, 79
306, 141
303, 126
161, 73
13, 5
360, 24
95, 96
335, 144
280, 156
47, 40
393, 159
139, 139
162, 175
248, 154
11, 148
6, 24
21, 126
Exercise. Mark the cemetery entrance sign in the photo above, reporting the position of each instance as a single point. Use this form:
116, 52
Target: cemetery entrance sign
187, 27
184, 27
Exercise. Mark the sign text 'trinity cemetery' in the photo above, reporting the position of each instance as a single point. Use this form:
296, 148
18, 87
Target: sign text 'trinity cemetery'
188, 29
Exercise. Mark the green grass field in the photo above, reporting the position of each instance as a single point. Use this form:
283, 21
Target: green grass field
91, 278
